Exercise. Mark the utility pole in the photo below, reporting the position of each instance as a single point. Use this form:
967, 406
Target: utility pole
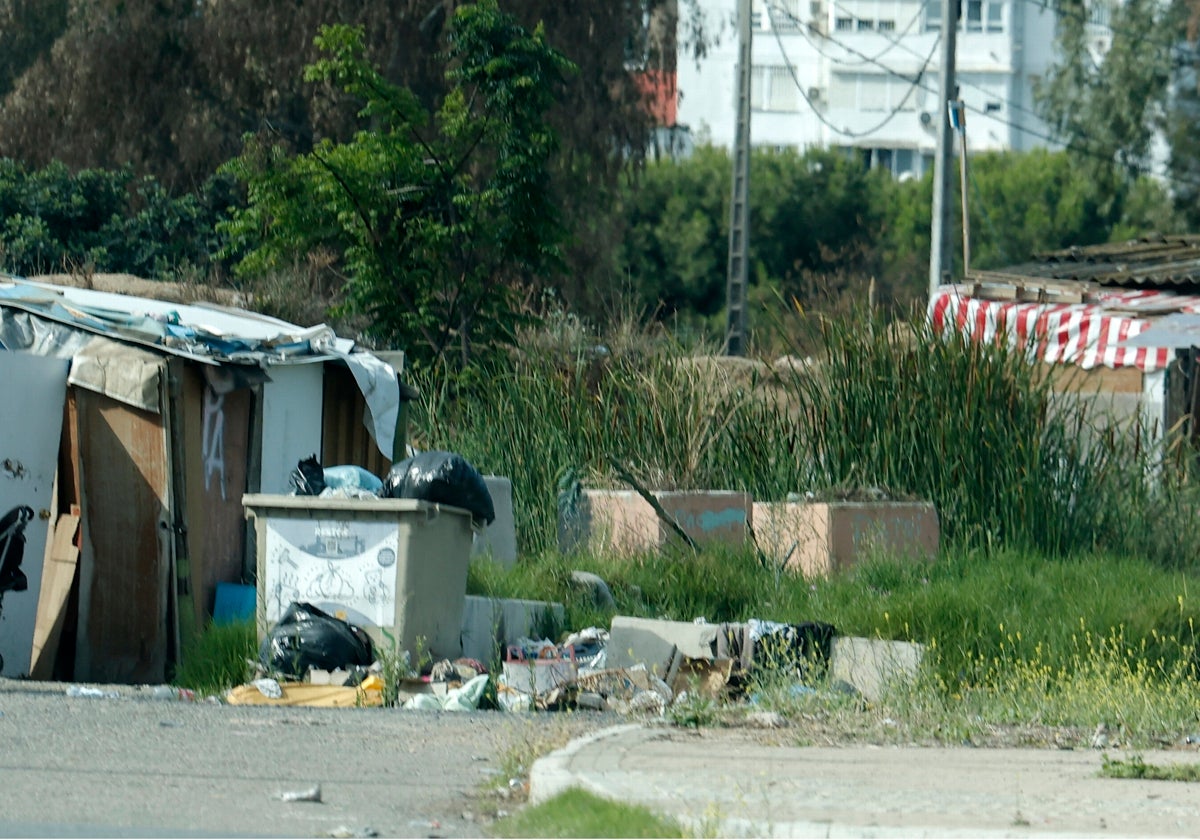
941, 255
739, 201
958, 120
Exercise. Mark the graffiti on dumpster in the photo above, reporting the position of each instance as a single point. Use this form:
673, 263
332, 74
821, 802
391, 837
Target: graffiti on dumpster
346, 568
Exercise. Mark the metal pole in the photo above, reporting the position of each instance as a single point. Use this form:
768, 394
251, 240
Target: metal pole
739, 201
961, 111
940, 252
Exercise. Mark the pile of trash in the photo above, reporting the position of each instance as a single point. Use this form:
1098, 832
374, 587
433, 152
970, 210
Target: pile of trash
644, 665
640, 666
441, 477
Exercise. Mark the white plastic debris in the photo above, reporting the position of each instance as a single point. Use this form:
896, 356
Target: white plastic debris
91, 692
312, 794
269, 688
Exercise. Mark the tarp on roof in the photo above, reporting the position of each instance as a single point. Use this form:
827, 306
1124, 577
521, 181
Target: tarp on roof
1178, 331
1084, 334
127, 374
65, 322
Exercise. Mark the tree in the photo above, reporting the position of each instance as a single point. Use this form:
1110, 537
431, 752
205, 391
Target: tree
437, 222
1108, 104
27, 29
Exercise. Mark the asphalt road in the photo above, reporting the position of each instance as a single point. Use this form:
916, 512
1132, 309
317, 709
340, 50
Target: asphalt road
135, 766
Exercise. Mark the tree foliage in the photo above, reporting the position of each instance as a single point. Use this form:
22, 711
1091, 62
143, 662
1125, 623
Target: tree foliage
52, 219
437, 221
822, 227
1109, 99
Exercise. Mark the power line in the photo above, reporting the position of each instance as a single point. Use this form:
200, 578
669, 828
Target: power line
845, 132
916, 81
1084, 150
802, 28
960, 72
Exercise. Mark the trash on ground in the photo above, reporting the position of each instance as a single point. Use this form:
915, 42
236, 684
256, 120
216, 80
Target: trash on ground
551, 667
268, 688
370, 693
465, 698
345, 832
307, 637
91, 692
312, 794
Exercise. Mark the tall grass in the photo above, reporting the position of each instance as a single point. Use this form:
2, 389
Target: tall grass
970, 426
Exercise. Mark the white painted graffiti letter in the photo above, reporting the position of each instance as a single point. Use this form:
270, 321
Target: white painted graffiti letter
213, 438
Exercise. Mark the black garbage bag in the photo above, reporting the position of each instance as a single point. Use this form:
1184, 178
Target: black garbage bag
307, 637
309, 477
443, 477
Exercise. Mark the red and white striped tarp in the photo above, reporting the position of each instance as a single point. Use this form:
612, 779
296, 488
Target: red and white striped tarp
1083, 334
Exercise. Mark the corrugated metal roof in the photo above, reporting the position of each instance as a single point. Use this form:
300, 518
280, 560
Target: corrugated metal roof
1149, 261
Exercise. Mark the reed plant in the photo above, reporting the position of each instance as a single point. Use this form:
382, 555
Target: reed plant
971, 426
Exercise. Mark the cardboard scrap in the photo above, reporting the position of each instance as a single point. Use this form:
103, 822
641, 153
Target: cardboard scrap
370, 693
709, 678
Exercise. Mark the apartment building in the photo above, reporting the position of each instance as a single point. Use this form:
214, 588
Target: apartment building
862, 75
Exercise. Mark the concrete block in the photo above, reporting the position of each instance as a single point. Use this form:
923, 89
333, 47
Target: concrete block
820, 538
490, 624
871, 665
624, 522
654, 643
499, 540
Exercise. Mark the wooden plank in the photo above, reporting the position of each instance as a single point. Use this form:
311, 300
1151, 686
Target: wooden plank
123, 635
58, 577
216, 442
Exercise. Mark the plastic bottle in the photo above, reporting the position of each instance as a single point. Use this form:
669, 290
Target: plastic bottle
91, 692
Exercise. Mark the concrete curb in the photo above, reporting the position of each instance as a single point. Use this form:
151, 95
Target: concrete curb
551, 774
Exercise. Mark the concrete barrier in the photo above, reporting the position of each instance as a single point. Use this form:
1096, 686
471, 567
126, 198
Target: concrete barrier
624, 522
820, 538
499, 540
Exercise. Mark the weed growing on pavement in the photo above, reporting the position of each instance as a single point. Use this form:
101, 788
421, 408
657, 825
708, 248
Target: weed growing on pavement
1135, 767
394, 666
515, 764
692, 709
576, 813
219, 658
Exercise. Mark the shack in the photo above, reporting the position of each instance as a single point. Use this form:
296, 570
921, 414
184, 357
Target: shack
1096, 312
133, 426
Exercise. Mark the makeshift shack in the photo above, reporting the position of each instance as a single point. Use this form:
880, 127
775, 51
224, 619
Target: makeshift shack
1090, 311
132, 430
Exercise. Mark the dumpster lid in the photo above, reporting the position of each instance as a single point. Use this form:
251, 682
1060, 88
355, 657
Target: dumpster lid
260, 503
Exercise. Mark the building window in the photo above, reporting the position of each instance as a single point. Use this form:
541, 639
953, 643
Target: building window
844, 23
981, 12
865, 25
974, 15
785, 15
933, 15
867, 92
773, 89
995, 17
886, 26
